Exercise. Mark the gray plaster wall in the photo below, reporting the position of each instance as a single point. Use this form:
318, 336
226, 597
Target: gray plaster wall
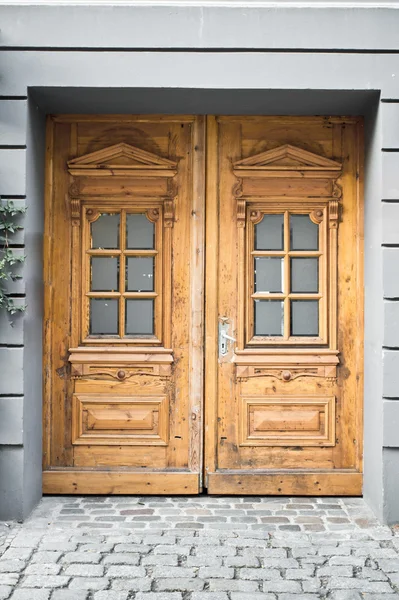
193, 60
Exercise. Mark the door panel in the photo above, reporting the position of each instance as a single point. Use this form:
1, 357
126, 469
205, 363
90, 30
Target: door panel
284, 282
123, 326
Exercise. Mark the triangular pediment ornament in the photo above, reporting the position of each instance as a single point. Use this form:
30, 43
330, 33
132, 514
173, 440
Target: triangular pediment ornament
287, 158
124, 160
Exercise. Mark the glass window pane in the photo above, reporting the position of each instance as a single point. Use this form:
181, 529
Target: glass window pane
140, 274
304, 275
269, 317
103, 316
304, 234
268, 274
105, 231
269, 233
104, 274
304, 317
140, 232
139, 317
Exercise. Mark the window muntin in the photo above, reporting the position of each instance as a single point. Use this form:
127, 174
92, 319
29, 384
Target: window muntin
286, 276
122, 274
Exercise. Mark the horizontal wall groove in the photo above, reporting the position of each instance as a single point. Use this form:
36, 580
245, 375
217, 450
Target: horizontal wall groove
393, 398
13, 98
11, 445
12, 147
395, 348
11, 395
391, 200
16, 246
390, 245
11, 197
389, 100
11, 345
389, 149
391, 298
199, 49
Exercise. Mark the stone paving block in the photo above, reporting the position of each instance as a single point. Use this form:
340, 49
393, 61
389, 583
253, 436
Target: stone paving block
346, 595
132, 548
216, 572
70, 595
12, 566
31, 595
17, 553
9, 579
252, 596
172, 549
162, 571
43, 569
135, 585
378, 587
167, 559
121, 559
233, 585
282, 586
110, 595
5, 591
88, 583
84, 570
45, 581
258, 574
209, 596
46, 557
158, 596
240, 561
203, 561
81, 557
125, 571
179, 584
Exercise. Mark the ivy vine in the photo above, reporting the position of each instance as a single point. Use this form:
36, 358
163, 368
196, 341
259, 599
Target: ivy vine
9, 215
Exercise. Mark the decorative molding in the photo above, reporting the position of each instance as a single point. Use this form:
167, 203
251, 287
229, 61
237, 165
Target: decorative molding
256, 216
241, 204
333, 213
287, 158
122, 160
316, 216
152, 214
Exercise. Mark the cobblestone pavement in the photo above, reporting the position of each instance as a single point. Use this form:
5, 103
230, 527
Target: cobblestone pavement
199, 548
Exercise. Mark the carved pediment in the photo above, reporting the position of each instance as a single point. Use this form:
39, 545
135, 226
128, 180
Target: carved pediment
285, 158
122, 160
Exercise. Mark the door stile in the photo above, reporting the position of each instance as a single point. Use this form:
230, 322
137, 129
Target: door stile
196, 358
211, 297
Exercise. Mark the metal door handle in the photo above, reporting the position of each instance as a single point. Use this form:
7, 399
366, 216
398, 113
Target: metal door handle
224, 338
227, 337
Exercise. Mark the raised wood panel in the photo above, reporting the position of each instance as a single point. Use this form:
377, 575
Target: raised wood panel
292, 421
120, 421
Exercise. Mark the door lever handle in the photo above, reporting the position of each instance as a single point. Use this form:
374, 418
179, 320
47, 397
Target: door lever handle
227, 337
224, 338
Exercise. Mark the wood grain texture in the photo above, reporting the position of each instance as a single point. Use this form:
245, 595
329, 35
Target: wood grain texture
124, 401
118, 482
285, 165
286, 484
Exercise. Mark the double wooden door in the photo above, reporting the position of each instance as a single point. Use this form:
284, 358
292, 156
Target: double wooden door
203, 305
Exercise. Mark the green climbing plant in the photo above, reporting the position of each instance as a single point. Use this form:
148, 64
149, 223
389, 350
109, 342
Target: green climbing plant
9, 214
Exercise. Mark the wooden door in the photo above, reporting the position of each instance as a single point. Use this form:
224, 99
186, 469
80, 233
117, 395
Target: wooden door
123, 305
284, 279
